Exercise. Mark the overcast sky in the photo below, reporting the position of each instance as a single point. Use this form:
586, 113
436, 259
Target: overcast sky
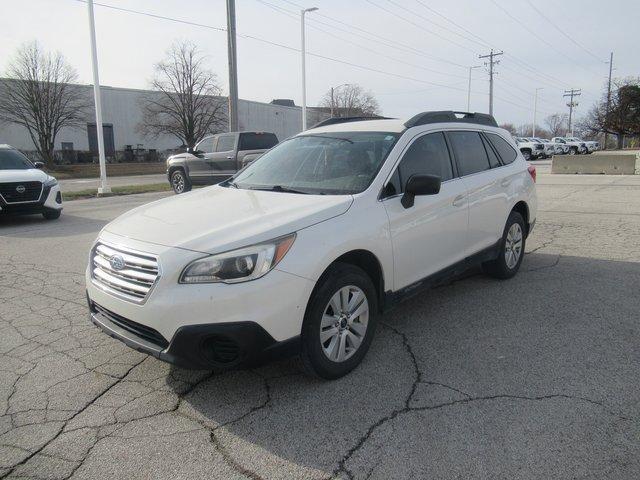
416, 61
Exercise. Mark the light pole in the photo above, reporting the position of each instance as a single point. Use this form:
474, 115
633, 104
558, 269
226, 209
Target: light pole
535, 110
104, 185
469, 90
233, 66
304, 69
336, 88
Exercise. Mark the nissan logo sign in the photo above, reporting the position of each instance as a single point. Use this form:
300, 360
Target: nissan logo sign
117, 262
20, 189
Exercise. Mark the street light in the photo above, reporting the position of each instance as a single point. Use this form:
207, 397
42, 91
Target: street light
535, 110
304, 69
469, 90
336, 88
104, 187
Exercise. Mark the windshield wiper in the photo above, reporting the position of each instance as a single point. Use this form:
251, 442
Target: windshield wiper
279, 188
232, 184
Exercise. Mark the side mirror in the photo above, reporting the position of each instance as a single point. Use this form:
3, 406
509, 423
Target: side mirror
38, 165
420, 185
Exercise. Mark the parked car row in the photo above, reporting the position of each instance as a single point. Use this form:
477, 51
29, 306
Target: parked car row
534, 148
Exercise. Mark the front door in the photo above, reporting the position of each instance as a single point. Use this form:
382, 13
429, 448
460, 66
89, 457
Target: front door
199, 168
430, 235
223, 160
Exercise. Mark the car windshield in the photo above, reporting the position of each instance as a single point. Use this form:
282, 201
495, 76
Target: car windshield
13, 160
336, 163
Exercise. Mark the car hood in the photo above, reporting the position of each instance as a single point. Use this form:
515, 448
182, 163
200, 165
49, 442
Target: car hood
216, 219
30, 175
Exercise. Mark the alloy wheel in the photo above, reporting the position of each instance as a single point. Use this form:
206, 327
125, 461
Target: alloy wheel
344, 323
513, 245
177, 182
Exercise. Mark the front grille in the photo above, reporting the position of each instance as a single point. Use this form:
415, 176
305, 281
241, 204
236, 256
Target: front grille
124, 273
18, 192
142, 331
539, 146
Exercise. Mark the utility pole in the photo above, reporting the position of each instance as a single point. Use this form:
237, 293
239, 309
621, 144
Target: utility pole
491, 63
104, 185
304, 67
606, 118
571, 94
469, 89
233, 66
535, 110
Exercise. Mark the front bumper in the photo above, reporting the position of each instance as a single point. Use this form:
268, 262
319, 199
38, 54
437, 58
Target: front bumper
201, 347
50, 200
176, 321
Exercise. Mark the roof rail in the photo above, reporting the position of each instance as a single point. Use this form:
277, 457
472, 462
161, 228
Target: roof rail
336, 120
449, 116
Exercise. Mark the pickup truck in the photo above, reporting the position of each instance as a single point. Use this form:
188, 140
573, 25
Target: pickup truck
216, 158
530, 150
576, 146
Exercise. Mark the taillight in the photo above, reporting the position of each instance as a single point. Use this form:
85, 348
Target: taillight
532, 171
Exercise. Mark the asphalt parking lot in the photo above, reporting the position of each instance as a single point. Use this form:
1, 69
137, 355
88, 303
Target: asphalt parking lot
536, 377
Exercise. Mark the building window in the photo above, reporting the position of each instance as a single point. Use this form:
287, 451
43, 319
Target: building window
107, 130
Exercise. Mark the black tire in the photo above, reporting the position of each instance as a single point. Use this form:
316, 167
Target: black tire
51, 214
499, 268
573, 151
180, 181
526, 154
314, 359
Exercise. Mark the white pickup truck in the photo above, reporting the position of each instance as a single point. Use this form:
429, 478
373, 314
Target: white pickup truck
576, 147
530, 150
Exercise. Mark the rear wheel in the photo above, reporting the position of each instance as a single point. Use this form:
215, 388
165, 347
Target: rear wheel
512, 245
526, 154
339, 322
179, 181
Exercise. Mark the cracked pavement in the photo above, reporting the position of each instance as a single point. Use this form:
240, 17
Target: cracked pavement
535, 377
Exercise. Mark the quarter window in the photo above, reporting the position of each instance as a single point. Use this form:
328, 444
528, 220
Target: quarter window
505, 151
493, 158
226, 143
428, 155
470, 153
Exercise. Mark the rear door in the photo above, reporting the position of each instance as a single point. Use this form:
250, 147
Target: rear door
485, 182
223, 160
253, 144
431, 235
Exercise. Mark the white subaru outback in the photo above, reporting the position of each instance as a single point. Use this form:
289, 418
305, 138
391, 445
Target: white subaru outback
303, 250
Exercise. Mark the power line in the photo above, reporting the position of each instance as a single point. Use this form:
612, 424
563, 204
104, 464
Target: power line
562, 31
419, 26
535, 34
280, 45
293, 16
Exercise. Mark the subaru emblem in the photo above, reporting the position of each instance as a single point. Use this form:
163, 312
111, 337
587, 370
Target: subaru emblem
117, 262
20, 189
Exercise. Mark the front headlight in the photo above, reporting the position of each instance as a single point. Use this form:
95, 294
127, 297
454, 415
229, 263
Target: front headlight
50, 182
240, 265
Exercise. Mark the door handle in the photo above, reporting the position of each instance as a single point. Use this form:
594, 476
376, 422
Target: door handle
229, 158
459, 200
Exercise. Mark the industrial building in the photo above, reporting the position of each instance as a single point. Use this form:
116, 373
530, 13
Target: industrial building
121, 116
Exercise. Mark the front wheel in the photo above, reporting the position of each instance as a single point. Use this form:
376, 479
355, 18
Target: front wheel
527, 155
51, 214
339, 323
512, 245
180, 182
573, 151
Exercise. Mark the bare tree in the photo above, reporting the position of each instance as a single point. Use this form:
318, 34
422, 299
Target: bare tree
509, 127
349, 101
623, 116
187, 102
40, 95
557, 124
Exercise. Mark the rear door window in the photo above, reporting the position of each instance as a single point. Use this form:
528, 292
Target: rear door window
257, 141
226, 143
469, 151
506, 152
